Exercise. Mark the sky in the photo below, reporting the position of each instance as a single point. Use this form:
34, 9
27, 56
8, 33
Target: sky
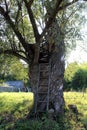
79, 53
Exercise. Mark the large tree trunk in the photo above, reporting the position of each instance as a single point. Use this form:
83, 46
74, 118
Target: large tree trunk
56, 100
57, 75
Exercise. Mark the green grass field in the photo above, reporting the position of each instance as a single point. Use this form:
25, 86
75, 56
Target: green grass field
80, 100
15, 107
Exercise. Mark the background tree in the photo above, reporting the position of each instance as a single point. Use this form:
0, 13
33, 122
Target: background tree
12, 69
69, 75
28, 37
75, 77
79, 81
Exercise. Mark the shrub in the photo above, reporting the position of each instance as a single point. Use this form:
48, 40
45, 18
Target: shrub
75, 77
47, 124
28, 125
69, 74
79, 81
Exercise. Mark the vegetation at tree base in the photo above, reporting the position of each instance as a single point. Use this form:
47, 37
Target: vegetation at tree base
15, 108
76, 77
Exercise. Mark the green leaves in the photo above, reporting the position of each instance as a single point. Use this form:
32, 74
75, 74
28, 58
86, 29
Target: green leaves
76, 76
12, 69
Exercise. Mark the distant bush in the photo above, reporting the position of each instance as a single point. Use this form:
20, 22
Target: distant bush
69, 75
75, 77
79, 81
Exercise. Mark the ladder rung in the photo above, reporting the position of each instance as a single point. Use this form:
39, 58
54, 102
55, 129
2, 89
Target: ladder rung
45, 63
40, 111
42, 101
46, 86
42, 93
44, 77
44, 57
45, 90
42, 70
43, 85
43, 82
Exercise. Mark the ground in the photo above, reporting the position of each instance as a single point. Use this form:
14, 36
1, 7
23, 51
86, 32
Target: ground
15, 108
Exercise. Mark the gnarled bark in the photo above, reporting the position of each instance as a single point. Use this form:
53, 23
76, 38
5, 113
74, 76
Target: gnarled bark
56, 100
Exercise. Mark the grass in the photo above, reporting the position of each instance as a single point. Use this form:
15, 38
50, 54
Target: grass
15, 107
11, 102
80, 100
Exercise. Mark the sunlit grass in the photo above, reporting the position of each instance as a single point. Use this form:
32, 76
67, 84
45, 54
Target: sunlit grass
17, 104
80, 100
13, 107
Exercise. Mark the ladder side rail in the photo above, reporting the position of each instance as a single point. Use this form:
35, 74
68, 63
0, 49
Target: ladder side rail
37, 89
49, 85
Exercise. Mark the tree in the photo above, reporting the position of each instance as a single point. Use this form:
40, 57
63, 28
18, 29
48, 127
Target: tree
75, 77
35, 37
69, 75
79, 81
12, 69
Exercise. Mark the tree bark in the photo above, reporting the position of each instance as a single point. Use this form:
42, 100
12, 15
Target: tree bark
57, 75
56, 100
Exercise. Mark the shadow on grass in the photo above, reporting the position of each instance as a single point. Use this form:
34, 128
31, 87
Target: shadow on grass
19, 112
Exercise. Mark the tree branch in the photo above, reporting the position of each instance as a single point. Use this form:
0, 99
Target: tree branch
53, 15
30, 2
10, 22
6, 5
31, 16
31, 49
18, 11
66, 20
11, 52
68, 4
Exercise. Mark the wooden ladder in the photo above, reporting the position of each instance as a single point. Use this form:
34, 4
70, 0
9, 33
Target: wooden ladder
43, 87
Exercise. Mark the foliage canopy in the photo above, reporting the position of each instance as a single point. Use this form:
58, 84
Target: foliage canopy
24, 24
12, 69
